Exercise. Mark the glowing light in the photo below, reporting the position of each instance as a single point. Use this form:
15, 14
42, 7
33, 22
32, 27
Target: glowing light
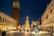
14, 3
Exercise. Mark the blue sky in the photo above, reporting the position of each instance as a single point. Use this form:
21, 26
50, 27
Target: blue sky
32, 8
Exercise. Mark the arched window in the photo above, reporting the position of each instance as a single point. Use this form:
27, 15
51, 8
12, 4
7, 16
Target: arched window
50, 11
52, 5
0, 18
7, 21
3, 19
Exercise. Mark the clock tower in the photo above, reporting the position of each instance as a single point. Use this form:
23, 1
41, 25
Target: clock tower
16, 11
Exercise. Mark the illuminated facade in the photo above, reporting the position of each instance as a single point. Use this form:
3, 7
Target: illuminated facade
6, 22
34, 25
16, 11
47, 18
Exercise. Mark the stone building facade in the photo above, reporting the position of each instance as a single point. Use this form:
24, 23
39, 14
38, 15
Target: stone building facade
47, 19
7, 22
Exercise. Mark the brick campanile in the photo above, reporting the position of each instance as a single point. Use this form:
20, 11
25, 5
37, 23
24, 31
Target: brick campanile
16, 11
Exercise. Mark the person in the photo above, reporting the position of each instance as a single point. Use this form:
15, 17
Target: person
3, 33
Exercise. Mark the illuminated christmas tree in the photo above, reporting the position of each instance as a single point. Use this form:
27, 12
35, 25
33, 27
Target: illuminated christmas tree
27, 25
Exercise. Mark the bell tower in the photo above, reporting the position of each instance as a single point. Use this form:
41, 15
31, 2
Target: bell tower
16, 11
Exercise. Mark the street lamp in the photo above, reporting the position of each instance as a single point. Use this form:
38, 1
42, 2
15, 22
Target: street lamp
52, 30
